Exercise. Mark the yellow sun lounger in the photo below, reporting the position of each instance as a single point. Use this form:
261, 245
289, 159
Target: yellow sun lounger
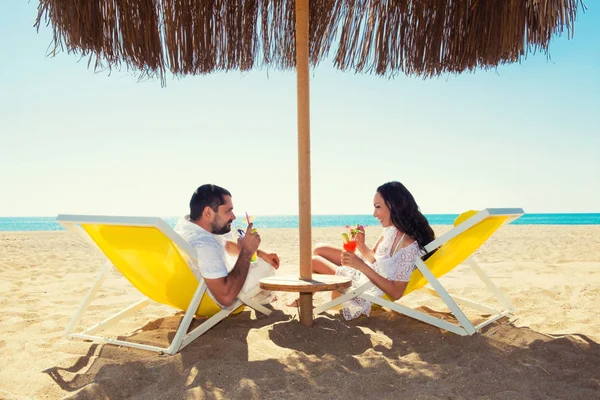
455, 247
154, 258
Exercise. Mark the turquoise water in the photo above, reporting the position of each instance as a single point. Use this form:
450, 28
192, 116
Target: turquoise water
12, 224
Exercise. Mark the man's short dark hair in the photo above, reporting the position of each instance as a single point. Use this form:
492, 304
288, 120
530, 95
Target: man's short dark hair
207, 195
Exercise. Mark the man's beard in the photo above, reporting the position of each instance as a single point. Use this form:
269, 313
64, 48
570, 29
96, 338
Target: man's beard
220, 229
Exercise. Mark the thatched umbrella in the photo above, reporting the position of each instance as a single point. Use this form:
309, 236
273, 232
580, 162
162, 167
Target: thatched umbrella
385, 37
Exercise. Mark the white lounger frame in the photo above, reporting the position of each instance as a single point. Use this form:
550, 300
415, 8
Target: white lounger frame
182, 338
464, 326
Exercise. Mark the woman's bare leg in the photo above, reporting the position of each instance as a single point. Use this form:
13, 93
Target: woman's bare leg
321, 265
329, 252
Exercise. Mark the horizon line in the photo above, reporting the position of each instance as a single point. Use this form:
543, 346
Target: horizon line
289, 215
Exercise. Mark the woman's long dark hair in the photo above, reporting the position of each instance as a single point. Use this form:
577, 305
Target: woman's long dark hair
405, 214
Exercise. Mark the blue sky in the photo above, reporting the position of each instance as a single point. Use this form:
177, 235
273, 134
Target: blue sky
75, 141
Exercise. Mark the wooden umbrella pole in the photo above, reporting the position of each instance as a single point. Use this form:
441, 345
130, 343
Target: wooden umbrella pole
302, 72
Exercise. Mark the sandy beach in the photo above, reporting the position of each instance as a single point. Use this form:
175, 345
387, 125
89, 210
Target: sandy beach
551, 350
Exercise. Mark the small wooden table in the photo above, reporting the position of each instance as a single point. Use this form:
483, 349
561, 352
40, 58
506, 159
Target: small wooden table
306, 288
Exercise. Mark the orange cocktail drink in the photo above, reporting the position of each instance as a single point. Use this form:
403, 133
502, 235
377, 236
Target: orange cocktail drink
349, 238
350, 246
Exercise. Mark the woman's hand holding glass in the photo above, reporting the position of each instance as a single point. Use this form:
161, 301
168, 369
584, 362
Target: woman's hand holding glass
350, 259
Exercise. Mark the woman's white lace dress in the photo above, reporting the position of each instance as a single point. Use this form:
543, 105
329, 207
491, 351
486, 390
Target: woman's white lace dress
398, 267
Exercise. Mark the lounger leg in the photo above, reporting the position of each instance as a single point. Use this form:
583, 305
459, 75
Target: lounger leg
492, 319
206, 325
119, 342
490, 285
87, 299
182, 338
454, 308
463, 302
132, 309
421, 316
255, 305
181, 334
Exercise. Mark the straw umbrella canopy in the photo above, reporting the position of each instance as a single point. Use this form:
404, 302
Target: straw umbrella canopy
423, 38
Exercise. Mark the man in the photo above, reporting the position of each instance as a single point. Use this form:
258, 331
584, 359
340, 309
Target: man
211, 215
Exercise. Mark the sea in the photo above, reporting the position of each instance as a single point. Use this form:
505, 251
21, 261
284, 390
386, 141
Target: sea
25, 224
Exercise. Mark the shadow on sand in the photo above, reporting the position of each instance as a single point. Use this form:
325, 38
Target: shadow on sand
385, 356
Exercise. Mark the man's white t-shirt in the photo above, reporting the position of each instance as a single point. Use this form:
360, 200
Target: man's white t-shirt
210, 250
213, 260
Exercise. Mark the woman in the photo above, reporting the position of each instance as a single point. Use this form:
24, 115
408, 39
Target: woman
390, 263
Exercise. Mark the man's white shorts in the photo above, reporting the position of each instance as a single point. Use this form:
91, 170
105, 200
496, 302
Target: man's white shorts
258, 270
